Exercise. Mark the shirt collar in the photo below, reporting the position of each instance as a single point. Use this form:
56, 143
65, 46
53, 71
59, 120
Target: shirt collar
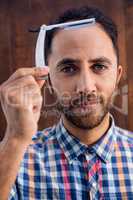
105, 146
73, 148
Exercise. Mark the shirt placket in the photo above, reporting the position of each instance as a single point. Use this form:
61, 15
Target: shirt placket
93, 175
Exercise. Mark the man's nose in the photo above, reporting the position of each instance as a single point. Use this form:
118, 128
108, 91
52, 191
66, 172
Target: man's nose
86, 83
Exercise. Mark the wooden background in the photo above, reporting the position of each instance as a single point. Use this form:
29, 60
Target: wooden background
17, 45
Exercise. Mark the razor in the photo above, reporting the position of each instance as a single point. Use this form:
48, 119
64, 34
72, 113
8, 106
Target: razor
40, 45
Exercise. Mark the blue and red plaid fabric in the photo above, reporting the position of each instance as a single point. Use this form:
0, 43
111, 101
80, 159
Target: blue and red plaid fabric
57, 166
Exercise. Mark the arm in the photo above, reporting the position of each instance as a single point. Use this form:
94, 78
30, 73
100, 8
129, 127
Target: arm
11, 154
21, 102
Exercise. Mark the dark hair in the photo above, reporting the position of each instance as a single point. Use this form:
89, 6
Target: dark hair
79, 14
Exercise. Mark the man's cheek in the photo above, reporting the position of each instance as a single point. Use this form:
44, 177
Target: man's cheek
64, 98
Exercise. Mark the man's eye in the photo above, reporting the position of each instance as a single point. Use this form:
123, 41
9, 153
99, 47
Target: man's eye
69, 69
99, 67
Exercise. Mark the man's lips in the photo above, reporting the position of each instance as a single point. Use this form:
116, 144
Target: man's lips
91, 102
86, 106
86, 103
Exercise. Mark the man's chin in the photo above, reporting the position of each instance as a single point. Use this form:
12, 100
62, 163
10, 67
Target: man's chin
86, 120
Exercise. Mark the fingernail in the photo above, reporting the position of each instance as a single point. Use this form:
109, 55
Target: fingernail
45, 68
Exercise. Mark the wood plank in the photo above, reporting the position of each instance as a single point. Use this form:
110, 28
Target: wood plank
129, 42
18, 45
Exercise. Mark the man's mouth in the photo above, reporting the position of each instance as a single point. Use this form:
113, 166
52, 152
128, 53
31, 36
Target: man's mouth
85, 104
86, 107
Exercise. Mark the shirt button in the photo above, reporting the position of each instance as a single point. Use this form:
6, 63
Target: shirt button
94, 184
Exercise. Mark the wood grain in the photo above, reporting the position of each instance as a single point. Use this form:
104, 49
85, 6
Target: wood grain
17, 45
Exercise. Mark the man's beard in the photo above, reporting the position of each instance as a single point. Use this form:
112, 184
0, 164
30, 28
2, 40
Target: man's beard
85, 111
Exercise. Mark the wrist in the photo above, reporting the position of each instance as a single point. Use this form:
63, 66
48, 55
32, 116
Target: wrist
18, 135
14, 140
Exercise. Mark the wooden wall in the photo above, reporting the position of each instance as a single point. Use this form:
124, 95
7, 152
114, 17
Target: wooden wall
17, 44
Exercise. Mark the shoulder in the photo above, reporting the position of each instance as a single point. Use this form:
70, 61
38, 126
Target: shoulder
36, 156
123, 133
42, 141
44, 135
124, 139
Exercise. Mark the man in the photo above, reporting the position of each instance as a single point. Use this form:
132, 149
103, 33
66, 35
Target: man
85, 155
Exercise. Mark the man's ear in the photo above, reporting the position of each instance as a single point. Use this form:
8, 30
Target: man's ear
119, 73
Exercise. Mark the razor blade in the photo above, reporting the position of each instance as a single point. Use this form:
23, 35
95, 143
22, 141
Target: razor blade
40, 45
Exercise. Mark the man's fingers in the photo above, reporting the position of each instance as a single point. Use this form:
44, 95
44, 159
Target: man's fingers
21, 91
34, 71
38, 73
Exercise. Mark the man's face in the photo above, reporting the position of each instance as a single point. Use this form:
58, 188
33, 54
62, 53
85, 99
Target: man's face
84, 74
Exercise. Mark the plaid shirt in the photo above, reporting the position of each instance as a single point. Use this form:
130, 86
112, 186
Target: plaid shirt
57, 166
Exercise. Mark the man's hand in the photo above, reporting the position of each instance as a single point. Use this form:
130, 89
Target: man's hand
21, 101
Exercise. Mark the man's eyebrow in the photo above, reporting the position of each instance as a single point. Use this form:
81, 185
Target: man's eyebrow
101, 60
67, 61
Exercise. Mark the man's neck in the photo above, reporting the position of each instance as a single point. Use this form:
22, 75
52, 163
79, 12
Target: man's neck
91, 136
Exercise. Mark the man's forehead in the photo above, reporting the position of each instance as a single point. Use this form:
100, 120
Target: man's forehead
93, 37
89, 42
77, 36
